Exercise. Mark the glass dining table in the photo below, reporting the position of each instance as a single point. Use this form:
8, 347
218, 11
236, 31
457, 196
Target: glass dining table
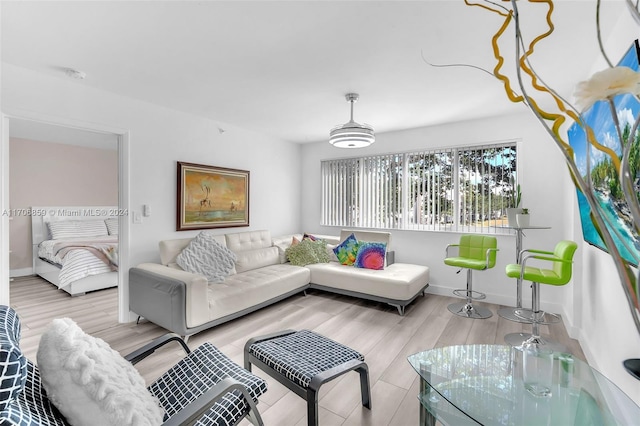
483, 384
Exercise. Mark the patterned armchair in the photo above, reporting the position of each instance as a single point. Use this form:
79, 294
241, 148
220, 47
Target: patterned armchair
204, 388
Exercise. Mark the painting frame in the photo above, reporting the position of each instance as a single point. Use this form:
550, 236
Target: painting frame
211, 197
613, 206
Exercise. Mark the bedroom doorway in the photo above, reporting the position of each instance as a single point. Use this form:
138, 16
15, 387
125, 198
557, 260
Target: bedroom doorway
42, 172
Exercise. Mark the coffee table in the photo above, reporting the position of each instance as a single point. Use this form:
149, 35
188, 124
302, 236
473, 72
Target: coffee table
482, 384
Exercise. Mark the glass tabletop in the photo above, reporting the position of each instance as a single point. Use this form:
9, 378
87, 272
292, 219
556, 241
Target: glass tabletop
471, 384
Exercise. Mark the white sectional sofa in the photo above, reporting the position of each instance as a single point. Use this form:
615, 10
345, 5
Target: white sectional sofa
185, 303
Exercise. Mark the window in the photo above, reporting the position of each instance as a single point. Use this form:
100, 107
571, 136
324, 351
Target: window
456, 189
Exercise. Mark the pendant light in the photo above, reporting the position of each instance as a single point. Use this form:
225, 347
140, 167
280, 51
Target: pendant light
352, 134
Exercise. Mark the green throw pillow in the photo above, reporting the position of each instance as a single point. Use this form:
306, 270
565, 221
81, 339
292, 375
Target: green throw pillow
308, 252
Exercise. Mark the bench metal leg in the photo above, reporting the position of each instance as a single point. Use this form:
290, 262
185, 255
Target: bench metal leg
365, 388
312, 407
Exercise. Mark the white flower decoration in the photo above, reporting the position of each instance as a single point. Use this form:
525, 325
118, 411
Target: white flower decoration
605, 85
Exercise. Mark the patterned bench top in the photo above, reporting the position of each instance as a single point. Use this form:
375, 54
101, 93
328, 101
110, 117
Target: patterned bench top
302, 355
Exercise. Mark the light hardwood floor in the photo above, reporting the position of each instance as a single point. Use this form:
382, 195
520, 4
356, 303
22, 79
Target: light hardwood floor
374, 329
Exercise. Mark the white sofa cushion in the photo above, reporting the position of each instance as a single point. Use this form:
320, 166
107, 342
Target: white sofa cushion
400, 281
250, 240
250, 288
248, 260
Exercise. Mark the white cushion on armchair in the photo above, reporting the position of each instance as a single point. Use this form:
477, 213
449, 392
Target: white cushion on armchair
90, 383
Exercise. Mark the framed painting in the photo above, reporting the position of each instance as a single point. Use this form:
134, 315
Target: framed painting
211, 197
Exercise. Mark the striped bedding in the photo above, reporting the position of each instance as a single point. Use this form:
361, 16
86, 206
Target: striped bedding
77, 263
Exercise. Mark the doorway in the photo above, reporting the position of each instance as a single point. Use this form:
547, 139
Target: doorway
57, 138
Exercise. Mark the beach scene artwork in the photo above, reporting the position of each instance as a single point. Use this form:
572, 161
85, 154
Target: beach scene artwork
212, 197
602, 173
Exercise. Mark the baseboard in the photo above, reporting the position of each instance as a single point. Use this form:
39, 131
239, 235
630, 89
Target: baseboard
507, 300
24, 272
498, 299
586, 350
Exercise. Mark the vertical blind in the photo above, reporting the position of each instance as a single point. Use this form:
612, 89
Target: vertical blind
455, 189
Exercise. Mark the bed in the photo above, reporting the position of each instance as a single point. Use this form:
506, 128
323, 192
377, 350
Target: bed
76, 247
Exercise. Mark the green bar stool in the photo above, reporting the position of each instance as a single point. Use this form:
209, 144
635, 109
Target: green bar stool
475, 252
561, 259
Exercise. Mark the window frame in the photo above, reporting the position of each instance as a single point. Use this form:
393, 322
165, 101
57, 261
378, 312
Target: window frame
404, 221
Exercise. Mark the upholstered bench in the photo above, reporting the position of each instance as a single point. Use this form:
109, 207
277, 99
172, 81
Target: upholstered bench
303, 361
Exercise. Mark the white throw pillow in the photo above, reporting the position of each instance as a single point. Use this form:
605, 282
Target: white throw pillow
205, 255
90, 383
332, 254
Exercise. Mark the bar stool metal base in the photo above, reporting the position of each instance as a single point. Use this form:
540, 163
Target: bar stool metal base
509, 313
467, 310
543, 318
517, 340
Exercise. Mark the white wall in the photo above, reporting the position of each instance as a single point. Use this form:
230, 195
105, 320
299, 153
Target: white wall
159, 137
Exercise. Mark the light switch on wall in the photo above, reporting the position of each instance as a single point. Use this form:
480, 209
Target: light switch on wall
146, 210
137, 217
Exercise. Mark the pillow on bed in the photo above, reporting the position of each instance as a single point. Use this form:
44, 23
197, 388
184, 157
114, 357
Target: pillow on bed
77, 229
112, 225
90, 383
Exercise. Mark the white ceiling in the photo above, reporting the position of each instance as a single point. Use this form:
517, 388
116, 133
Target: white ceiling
282, 67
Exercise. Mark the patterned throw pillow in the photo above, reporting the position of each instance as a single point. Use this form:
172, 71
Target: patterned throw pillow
13, 364
206, 256
370, 255
307, 252
347, 250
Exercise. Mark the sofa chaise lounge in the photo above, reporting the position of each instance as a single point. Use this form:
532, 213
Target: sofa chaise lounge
186, 303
